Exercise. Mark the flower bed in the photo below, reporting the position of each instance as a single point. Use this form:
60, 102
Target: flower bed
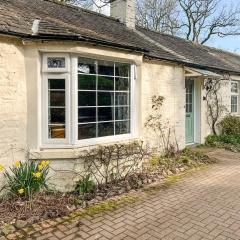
18, 210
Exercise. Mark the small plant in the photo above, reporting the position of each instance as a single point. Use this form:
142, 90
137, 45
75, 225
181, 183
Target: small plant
163, 132
85, 185
185, 159
25, 178
230, 125
154, 161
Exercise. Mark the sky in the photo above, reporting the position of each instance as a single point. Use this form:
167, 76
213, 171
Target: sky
230, 43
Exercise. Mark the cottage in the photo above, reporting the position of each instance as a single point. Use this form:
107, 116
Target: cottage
71, 78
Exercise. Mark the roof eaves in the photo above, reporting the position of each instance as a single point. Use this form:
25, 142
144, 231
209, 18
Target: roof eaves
74, 38
191, 64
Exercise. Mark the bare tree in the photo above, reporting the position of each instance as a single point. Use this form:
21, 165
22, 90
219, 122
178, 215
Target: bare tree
196, 20
87, 4
158, 15
206, 18
97, 5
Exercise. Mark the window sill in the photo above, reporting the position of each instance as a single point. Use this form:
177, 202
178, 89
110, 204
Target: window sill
58, 152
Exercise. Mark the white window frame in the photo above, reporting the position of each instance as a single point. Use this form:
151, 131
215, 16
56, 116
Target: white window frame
71, 139
235, 95
45, 102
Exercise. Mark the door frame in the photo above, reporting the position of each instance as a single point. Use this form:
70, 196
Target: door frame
197, 96
193, 110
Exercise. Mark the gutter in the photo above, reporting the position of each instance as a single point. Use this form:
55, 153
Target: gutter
193, 65
74, 38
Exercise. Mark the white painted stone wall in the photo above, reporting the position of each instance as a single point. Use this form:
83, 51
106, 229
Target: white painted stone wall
162, 79
13, 107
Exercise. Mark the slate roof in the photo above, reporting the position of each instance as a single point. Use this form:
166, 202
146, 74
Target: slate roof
61, 21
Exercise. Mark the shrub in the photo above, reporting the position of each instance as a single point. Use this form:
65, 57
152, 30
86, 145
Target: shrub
212, 140
85, 185
26, 178
230, 125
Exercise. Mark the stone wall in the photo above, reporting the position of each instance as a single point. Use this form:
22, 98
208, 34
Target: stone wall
161, 79
13, 107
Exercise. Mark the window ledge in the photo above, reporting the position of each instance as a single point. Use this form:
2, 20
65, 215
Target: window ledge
68, 152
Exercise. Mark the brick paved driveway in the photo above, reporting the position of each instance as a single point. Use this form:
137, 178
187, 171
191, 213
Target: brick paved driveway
203, 206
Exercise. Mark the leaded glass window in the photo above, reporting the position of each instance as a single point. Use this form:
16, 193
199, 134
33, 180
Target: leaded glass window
103, 98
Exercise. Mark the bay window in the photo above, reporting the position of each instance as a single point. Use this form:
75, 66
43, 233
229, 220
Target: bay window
91, 100
234, 96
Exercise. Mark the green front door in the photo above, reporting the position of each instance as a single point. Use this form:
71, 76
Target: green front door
189, 111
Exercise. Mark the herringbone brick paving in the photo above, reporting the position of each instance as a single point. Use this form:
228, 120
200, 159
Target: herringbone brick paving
205, 205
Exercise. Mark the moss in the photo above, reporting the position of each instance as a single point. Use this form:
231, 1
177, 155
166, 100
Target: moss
173, 179
98, 208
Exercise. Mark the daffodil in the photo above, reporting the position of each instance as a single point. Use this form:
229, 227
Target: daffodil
47, 163
40, 167
21, 191
17, 164
1, 168
43, 163
37, 174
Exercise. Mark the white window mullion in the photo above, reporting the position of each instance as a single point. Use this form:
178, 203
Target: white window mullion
133, 77
74, 100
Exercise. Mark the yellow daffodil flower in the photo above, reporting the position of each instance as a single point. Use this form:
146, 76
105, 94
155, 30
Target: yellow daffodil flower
47, 163
37, 174
40, 167
21, 191
1, 168
17, 164
43, 163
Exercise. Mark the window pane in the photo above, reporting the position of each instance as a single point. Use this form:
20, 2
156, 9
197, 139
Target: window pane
105, 113
56, 84
105, 68
234, 87
122, 113
56, 131
86, 82
56, 115
233, 108
86, 98
86, 65
122, 98
86, 131
234, 104
122, 127
56, 109
54, 62
122, 84
105, 98
86, 115
105, 129
122, 69
105, 83
234, 100
57, 98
